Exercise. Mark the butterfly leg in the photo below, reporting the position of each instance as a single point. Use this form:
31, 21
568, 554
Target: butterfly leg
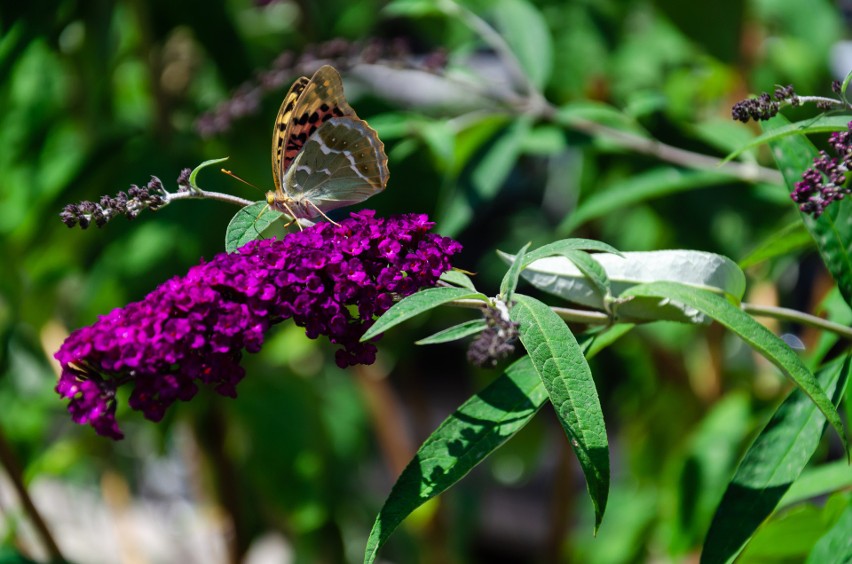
293, 215
322, 214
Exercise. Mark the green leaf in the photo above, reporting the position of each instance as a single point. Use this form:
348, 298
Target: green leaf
579, 114
592, 270
562, 367
526, 31
490, 173
558, 276
510, 279
786, 537
248, 224
833, 230
845, 85
412, 8
602, 339
836, 544
756, 335
782, 242
772, 463
819, 481
416, 304
564, 245
545, 140
463, 440
455, 333
196, 170
821, 124
657, 183
458, 278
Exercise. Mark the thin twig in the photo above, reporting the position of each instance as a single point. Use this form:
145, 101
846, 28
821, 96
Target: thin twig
204, 194
787, 314
536, 104
744, 171
13, 469
782, 313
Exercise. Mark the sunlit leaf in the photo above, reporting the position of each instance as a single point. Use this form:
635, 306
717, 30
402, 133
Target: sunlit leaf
756, 335
525, 30
821, 124
772, 463
248, 224
455, 332
510, 279
560, 364
463, 440
833, 230
417, 303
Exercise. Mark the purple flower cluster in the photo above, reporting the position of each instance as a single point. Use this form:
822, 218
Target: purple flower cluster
825, 181
331, 279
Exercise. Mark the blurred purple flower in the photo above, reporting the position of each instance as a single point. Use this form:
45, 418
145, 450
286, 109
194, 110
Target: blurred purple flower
331, 279
825, 181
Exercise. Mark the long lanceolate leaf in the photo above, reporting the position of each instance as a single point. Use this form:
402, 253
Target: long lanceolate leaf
463, 440
753, 333
772, 463
510, 279
833, 230
560, 364
416, 304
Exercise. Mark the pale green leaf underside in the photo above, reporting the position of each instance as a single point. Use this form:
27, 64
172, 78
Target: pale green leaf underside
560, 277
565, 245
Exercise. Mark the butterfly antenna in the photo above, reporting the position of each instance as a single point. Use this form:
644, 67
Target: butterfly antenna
234, 176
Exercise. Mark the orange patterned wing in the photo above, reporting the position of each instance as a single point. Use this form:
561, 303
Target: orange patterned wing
279, 132
308, 104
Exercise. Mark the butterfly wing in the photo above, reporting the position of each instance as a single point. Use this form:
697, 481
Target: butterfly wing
308, 104
279, 132
342, 163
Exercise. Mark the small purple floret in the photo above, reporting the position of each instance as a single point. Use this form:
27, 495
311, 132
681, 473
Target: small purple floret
825, 181
332, 280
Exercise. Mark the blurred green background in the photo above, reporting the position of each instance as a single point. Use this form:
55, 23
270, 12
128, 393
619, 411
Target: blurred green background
98, 95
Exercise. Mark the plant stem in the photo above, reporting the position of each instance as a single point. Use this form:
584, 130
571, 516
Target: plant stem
534, 103
13, 469
786, 314
198, 193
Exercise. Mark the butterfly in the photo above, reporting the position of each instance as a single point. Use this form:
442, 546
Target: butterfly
324, 156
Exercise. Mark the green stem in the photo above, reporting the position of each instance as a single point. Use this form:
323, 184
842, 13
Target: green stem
787, 314
16, 475
781, 313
